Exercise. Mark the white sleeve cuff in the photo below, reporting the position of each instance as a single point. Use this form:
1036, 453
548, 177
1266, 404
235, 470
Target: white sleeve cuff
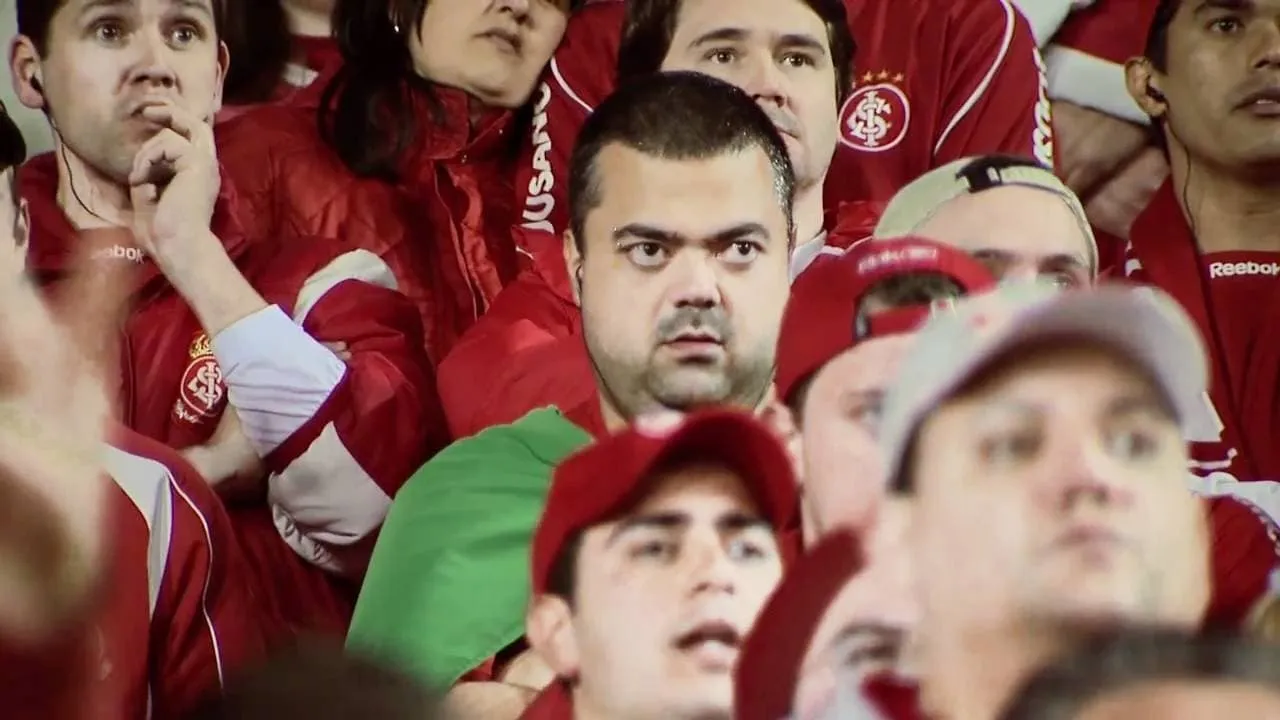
1091, 82
277, 375
1046, 16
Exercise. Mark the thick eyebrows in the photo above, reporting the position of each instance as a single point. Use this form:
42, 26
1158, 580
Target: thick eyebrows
802, 41
652, 233
733, 521
724, 34
654, 521
790, 41
737, 521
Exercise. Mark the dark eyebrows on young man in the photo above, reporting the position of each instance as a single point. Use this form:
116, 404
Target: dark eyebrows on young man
804, 42
730, 522
665, 521
719, 35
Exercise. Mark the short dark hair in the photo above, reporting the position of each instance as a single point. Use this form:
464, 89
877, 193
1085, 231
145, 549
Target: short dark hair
908, 290
317, 679
650, 26
1156, 51
36, 16
676, 116
258, 38
1157, 47
13, 150
1129, 658
562, 578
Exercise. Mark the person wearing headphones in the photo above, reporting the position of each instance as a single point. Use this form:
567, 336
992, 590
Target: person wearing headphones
1209, 77
291, 374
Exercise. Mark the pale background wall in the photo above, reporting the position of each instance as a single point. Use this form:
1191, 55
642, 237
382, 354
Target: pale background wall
33, 125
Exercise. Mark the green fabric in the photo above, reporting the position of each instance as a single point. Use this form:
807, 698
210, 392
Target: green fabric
448, 583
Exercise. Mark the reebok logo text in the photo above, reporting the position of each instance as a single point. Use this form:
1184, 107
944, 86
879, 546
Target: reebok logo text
119, 252
1225, 269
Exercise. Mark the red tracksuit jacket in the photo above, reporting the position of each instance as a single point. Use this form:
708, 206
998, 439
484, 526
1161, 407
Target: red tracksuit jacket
337, 438
179, 612
174, 611
1234, 299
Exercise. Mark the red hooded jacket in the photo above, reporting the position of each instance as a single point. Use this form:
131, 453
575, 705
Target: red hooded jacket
337, 439
1233, 298
444, 228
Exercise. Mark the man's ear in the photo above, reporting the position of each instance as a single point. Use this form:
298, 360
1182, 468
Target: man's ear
1143, 84
573, 262
24, 69
548, 626
224, 66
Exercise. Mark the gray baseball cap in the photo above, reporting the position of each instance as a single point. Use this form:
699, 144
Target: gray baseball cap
1143, 324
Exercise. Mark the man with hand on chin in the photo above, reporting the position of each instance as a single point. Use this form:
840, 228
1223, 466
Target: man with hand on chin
230, 350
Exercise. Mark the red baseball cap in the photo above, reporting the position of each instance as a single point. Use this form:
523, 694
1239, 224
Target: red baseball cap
820, 320
604, 480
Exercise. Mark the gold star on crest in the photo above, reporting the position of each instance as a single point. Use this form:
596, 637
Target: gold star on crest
883, 75
868, 77
899, 78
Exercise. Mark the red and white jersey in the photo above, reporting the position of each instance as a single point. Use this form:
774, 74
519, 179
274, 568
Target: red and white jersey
178, 613
936, 80
1233, 298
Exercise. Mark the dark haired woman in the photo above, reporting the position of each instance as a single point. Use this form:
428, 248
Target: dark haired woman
279, 46
411, 151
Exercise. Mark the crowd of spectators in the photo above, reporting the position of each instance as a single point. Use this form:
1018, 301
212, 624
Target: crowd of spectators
641, 360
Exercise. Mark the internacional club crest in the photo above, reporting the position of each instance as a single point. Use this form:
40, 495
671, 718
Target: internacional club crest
876, 116
203, 390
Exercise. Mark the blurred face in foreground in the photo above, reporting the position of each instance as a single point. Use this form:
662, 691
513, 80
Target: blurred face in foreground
844, 471
665, 595
864, 632
1052, 490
